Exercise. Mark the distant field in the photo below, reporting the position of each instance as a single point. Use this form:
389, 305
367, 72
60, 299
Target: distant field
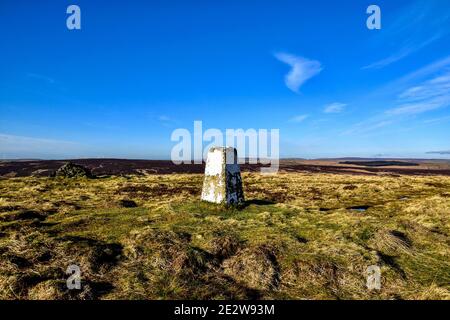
301, 235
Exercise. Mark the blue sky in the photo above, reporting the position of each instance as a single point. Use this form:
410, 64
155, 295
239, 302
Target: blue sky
137, 70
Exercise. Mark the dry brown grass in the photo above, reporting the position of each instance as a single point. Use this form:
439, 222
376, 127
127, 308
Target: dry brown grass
300, 236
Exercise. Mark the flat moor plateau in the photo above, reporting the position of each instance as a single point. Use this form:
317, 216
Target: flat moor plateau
139, 231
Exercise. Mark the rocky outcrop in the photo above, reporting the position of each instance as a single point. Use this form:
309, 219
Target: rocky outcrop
72, 170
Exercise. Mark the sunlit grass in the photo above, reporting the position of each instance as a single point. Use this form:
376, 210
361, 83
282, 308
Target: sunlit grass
315, 233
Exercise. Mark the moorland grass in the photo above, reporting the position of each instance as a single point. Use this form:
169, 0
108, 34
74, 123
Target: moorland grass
298, 236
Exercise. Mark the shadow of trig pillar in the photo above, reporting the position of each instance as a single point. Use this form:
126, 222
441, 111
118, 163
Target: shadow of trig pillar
223, 182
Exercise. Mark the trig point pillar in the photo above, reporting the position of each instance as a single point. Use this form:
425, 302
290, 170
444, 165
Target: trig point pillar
223, 183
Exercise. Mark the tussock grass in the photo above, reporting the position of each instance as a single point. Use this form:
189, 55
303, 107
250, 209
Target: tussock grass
298, 236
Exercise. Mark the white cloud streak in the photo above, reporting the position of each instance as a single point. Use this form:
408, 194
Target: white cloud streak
437, 120
444, 152
335, 107
399, 55
41, 78
366, 127
429, 95
23, 146
418, 25
164, 118
422, 91
298, 119
302, 69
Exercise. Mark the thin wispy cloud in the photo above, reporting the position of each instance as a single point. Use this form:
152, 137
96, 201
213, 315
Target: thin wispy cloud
21, 146
164, 118
419, 107
166, 121
302, 69
367, 127
439, 152
421, 91
402, 53
417, 26
429, 95
426, 71
41, 77
8, 139
299, 118
437, 120
335, 107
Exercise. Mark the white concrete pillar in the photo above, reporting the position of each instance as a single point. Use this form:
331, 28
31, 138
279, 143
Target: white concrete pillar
223, 182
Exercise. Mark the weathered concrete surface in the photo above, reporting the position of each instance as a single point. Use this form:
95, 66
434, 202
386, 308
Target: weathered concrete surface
223, 182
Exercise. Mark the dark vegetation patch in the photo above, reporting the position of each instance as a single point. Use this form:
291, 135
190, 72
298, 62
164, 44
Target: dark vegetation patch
381, 163
301, 239
100, 256
24, 215
435, 184
127, 203
259, 202
66, 204
402, 237
271, 196
391, 262
9, 208
224, 246
135, 189
438, 230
